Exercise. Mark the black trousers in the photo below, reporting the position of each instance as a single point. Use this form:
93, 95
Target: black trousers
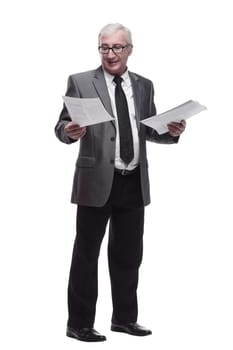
125, 211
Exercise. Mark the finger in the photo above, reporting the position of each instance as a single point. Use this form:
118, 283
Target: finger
183, 122
173, 127
177, 126
72, 126
174, 130
77, 134
84, 130
74, 134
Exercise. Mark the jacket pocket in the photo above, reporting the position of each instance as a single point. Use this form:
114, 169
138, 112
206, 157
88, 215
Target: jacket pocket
85, 162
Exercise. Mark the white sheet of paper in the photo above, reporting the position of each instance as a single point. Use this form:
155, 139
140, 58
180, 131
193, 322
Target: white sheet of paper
86, 111
184, 111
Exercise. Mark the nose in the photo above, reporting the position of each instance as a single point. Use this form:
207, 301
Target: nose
111, 53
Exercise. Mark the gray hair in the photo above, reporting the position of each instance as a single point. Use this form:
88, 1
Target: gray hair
112, 28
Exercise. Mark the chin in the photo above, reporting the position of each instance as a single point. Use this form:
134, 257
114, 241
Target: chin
114, 70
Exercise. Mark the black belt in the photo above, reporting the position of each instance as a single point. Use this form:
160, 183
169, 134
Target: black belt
125, 172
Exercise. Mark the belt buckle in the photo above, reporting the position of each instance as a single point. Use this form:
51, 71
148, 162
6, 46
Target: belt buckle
123, 172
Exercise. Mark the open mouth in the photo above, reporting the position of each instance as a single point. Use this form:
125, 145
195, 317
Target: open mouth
112, 63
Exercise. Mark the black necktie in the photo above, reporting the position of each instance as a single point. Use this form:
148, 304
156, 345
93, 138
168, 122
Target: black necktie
126, 138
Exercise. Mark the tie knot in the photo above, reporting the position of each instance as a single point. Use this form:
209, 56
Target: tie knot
117, 79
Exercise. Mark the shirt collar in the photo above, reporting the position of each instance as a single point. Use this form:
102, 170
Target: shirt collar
125, 76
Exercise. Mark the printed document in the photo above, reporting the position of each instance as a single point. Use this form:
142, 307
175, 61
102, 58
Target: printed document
86, 111
159, 122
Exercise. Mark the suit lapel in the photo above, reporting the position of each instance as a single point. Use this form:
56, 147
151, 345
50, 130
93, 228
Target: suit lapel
102, 91
136, 95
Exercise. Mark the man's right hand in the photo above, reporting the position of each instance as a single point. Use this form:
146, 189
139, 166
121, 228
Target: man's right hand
74, 131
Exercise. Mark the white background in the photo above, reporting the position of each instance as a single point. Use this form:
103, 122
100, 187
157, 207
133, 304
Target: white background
185, 292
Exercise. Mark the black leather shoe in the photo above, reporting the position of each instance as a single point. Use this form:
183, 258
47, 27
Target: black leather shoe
85, 334
131, 328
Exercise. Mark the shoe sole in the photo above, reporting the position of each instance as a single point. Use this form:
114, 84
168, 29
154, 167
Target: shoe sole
122, 330
71, 335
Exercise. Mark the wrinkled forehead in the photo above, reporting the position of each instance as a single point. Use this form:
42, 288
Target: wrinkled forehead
118, 37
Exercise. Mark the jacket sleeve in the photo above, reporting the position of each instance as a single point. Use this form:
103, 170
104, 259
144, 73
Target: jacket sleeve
151, 134
64, 117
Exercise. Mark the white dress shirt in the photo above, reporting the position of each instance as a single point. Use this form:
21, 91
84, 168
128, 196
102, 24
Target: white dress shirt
127, 87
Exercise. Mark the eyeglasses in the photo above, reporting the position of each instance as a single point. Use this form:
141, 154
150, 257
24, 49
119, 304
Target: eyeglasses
116, 49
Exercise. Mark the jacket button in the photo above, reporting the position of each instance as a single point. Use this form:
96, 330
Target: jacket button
112, 161
112, 138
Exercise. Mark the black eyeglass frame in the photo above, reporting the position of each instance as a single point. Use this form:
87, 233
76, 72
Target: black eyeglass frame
115, 49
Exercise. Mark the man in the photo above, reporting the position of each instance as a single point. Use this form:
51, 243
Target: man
110, 183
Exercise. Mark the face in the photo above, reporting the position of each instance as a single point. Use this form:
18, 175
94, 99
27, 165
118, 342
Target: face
113, 63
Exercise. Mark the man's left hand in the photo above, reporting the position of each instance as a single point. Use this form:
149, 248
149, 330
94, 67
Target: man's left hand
175, 129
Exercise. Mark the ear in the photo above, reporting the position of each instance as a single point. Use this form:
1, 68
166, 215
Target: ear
130, 50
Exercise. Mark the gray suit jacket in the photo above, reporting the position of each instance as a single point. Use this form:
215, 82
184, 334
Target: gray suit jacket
94, 169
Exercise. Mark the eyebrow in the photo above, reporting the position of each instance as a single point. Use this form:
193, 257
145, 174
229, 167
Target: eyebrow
116, 44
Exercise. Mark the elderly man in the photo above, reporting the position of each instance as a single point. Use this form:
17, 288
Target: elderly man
110, 184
